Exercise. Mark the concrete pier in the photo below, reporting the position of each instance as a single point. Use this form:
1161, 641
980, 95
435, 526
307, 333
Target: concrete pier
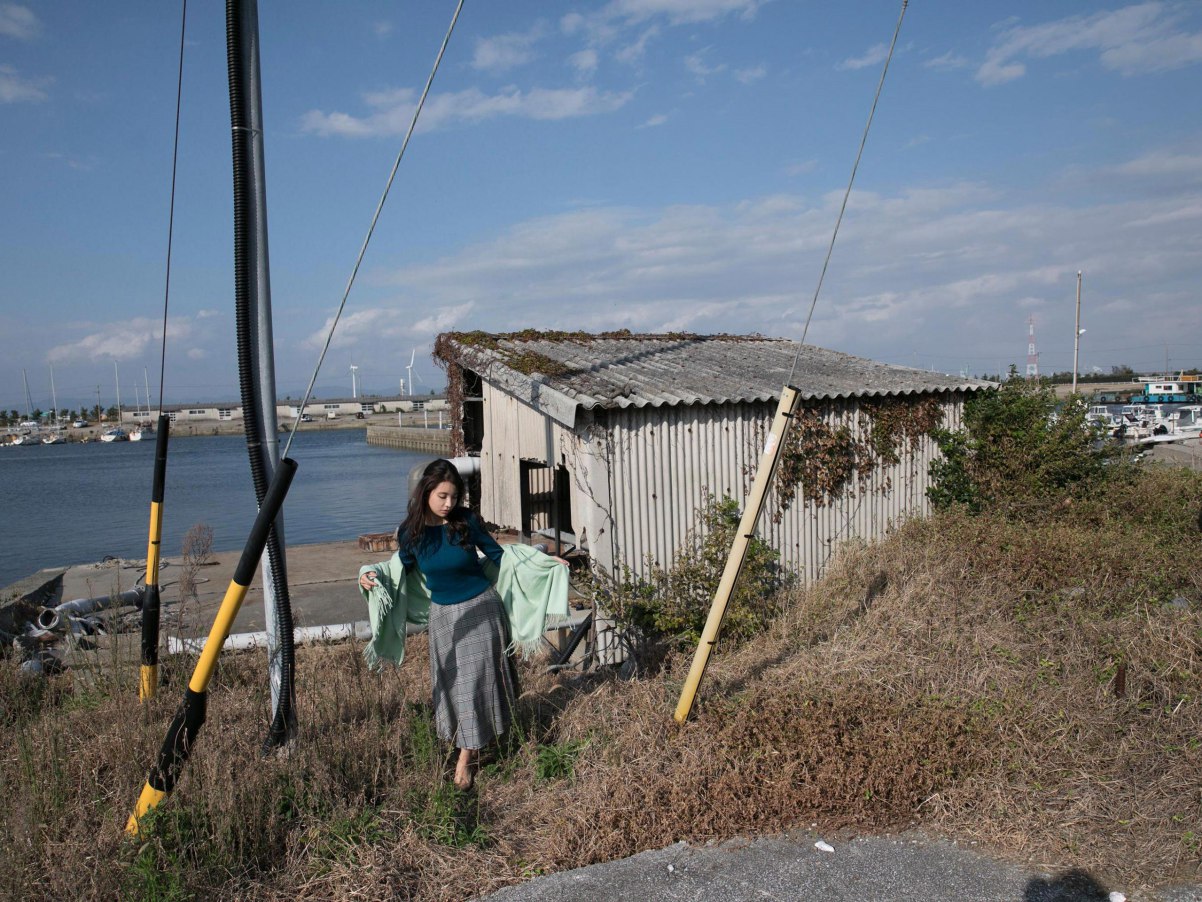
410, 438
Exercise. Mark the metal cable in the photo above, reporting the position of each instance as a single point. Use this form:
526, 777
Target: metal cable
847, 193
379, 207
179, 93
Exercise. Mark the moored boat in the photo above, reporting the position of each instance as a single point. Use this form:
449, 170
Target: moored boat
116, 434
1182, 390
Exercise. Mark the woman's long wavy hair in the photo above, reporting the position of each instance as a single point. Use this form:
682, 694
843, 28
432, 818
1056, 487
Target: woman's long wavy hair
412, 530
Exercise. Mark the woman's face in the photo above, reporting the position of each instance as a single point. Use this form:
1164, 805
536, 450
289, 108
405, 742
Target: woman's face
443, 500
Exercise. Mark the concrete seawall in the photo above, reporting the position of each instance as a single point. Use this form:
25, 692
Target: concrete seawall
411, 438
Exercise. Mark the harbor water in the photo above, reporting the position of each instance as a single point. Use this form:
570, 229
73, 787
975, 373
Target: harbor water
76, 503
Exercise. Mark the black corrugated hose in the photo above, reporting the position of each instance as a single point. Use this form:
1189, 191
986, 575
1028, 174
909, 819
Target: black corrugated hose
283, 725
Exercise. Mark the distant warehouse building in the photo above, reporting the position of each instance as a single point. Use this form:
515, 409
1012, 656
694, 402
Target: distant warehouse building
318, 408
220, 412
620, 438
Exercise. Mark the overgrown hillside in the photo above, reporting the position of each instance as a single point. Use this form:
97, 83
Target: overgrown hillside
1027, 676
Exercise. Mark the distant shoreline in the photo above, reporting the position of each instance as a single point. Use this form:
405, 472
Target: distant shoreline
235, 427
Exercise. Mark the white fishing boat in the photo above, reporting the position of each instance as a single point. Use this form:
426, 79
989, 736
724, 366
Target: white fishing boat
1101, 416
1186, 421
116, 434
53, 438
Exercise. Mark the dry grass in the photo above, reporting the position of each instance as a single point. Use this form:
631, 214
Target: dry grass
1024, 685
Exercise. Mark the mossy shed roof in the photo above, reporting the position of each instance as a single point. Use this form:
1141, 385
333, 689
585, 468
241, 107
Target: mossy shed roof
560, 372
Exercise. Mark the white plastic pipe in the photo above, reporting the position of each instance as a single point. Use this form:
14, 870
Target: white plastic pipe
467, 466
302, 635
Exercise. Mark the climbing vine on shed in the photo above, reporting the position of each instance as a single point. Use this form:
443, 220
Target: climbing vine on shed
826, 457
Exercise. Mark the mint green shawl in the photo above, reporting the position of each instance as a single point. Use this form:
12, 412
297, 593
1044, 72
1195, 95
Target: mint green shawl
533, 588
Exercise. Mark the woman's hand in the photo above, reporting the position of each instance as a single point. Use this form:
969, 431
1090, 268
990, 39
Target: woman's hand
367, 581
559, 560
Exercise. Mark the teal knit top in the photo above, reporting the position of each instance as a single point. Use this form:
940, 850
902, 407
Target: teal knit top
452, 571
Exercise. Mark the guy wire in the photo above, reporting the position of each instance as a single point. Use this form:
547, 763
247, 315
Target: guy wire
847, 193
179, 93
379, 207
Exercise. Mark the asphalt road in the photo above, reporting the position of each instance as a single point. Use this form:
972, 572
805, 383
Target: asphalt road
787, 868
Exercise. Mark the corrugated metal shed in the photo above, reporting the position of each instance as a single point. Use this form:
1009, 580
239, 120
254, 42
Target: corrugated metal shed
563, 375
644, 428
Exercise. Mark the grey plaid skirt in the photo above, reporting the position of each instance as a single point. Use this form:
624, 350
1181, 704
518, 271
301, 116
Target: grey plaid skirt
475, 683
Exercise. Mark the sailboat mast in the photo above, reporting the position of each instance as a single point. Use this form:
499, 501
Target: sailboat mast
28, 400
53, 396
117, 379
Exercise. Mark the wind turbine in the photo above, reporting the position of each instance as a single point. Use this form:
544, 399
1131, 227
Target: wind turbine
409, 369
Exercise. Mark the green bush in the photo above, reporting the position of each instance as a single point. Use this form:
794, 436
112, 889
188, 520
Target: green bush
672, 604
1020, 450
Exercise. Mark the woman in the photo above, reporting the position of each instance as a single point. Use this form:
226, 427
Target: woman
474, 681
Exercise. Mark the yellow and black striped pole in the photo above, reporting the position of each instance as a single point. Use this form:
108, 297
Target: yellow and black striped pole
191, 714
148, 684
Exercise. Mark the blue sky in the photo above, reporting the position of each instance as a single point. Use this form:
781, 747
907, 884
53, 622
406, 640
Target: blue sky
644, 164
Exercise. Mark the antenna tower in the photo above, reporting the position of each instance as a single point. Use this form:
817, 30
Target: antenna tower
1032, 354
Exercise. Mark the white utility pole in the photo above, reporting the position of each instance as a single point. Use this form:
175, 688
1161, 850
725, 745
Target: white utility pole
1077, 333
354, 383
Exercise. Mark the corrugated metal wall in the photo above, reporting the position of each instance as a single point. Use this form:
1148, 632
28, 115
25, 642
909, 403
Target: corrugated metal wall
640, 475
665, 460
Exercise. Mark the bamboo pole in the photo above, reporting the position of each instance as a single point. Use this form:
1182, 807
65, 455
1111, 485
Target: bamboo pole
785, 411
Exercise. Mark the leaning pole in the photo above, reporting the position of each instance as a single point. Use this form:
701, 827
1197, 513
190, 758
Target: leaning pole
785, 412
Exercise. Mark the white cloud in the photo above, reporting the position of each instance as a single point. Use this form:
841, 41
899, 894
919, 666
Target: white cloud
948, 60
375, 324
15, 89
83, 164
129, 339
751, 74
584, 62
18, 22
197, 353
356, 326
658, 119
1164, 163
696, 64
608, 23
801, 168
634, 52
395, 109
381, 29
679, 12
1134, 40
502, 52
875, 54
947, 270
442, 320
